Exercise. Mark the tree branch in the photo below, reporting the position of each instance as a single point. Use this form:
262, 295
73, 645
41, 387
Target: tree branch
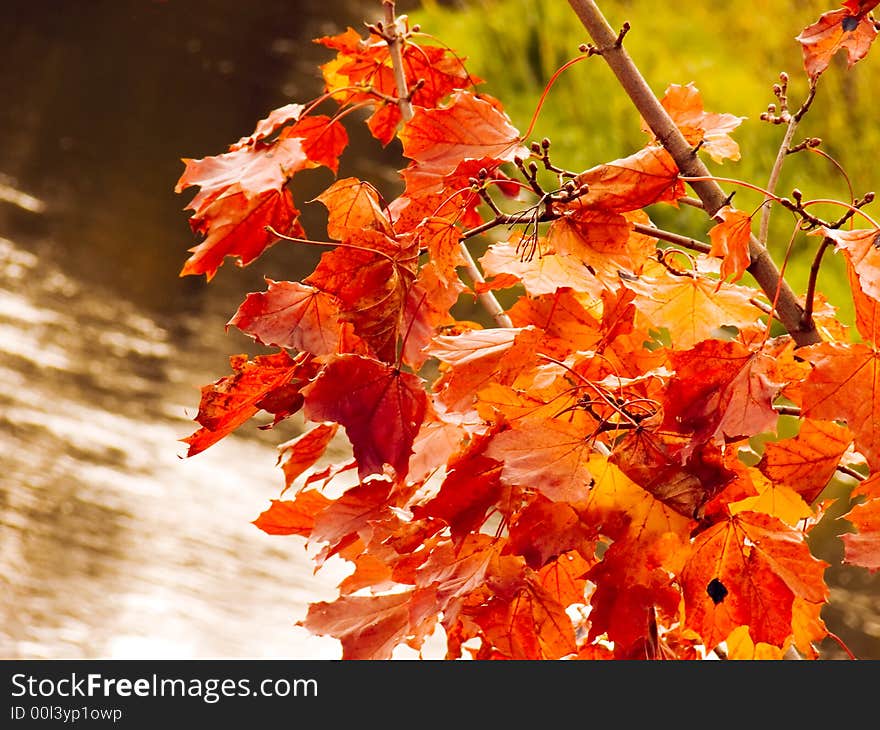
394, 38
788, 309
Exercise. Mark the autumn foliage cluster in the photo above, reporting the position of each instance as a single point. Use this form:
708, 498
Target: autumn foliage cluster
580, 476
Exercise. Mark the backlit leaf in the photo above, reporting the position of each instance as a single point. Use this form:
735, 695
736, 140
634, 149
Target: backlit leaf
292, 315
240, 192
646, 177
353, 206
833, 32
685, 105
761, 564
467, 127
730, 242
292, 517
229, 402
551, 457
863, 547
380, 408
845, 385
691, 308
301, 452
368, 627
806, 462
721, 389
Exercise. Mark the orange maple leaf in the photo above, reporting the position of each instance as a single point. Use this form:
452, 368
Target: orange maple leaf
807, 461
565, 318
477, 358
730, 242
354, 206
834, 31
693, 308
353, 515
292, 517
624, 614
862, 250
550, 456
543, 529
867, 309
843, 386
863, 547
441, 238
431, 73
468, 127
370, 627
604, 241
685, 107
646, 177
746, 571
545, 273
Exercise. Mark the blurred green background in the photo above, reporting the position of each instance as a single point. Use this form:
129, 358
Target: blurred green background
733, 53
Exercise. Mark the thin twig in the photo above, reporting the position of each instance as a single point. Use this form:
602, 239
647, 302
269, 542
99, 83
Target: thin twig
784, 148
395, 41
669, 237
762, 267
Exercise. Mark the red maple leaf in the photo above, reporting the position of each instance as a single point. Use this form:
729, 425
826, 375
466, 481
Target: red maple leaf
242, 191
301, 452
293, 315
721, 389
370, 275
380, 407
268, 382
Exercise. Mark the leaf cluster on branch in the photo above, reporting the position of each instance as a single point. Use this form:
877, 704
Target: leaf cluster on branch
581, 478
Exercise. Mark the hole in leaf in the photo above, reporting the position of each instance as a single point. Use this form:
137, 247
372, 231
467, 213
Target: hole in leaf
850, 23
716, 590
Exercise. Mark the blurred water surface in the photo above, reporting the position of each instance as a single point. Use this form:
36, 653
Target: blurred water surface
111, 545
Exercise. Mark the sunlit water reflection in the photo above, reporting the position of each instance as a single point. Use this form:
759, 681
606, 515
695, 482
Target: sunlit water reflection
110, 544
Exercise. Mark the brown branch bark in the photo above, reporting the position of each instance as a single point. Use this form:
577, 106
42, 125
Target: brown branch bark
395, 47
788, 309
